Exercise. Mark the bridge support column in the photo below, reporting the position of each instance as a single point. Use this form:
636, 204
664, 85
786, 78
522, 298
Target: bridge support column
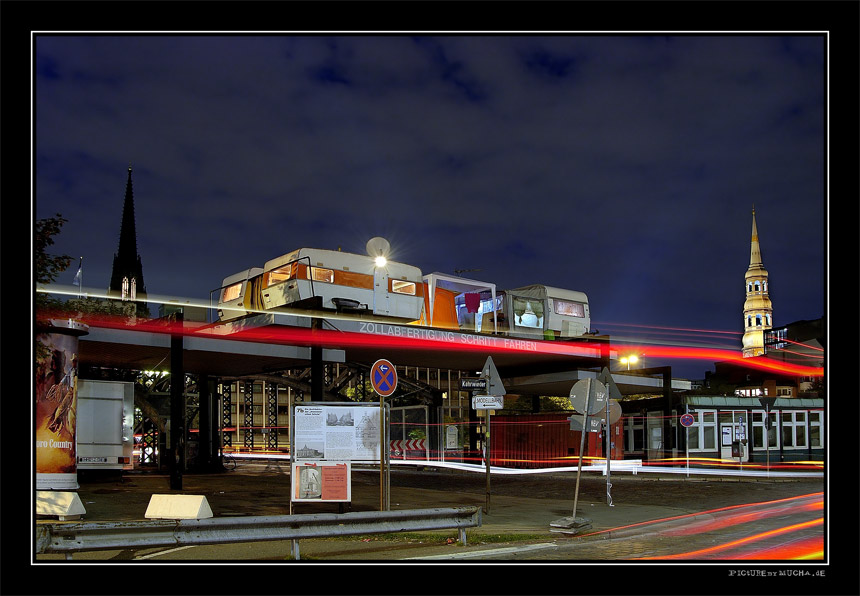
176, 458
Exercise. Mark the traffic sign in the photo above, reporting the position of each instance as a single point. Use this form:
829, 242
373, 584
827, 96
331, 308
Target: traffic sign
687, 420
488, 402
489, 372
605, 377
591, 392
614, 410
593, 424
383, 377
474, 384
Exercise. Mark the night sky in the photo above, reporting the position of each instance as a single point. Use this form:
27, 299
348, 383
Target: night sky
625, 166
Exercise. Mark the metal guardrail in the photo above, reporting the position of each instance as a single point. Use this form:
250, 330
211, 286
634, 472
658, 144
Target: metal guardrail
69, 538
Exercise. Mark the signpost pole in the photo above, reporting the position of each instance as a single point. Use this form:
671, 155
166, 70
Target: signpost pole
767, 436
608, 457
383, 377
381, 454
582, 444
687, 441
487, 413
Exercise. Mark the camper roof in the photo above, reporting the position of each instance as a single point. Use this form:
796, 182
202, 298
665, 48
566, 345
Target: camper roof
542, 291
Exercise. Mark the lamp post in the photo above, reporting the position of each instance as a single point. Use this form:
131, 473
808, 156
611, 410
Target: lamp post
628, 360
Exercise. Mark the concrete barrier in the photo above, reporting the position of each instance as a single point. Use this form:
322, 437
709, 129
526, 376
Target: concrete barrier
178, 507
65, 505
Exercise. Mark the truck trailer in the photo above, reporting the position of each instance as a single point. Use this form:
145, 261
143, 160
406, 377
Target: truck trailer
105, 425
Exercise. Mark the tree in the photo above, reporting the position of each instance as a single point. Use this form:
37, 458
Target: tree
48, 266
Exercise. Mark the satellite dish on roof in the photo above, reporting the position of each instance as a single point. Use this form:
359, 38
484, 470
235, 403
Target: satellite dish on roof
378, 247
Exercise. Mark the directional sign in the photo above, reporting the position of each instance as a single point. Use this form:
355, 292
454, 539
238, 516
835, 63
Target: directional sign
474, 384
488, 402
687, 420
383, 377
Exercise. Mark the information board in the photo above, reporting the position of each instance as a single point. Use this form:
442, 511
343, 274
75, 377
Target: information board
336, 432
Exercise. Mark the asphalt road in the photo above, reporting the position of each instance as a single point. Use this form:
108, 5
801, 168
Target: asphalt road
726, 524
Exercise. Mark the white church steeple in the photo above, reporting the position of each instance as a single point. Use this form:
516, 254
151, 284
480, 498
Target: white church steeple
758, 311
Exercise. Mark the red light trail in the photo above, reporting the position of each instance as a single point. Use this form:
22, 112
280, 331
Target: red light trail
438, 340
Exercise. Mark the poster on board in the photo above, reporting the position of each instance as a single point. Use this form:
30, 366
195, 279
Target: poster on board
318, 481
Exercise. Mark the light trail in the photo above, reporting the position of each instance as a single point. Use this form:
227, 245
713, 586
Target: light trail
716, 552
434, 339
731, 509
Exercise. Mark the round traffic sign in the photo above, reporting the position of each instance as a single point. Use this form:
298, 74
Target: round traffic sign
383, 377
591, 392
614, 411
687, 420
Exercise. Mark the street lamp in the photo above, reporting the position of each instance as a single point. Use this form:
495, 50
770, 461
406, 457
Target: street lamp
628, 360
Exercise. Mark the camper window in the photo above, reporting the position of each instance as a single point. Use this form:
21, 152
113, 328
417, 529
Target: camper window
320, 274
231, 292
398, 286
528, 313
572, 309
276, 276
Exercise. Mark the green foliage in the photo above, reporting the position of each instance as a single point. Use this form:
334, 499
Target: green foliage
48, 266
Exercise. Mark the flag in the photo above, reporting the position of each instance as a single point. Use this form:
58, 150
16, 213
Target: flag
77, 280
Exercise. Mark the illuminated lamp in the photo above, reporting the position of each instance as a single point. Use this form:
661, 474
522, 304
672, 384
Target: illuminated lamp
628, 360
378, 248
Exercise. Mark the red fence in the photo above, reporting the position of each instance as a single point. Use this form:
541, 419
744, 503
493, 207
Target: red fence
545, 441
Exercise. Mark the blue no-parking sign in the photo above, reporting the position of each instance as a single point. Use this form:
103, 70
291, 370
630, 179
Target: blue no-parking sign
383, 377
687, 420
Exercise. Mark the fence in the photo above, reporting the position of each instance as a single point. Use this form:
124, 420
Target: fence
69, 538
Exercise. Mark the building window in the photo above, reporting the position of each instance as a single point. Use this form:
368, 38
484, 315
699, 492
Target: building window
634, 436
816, 430
759, 431
794, 430
702, 436
758, 320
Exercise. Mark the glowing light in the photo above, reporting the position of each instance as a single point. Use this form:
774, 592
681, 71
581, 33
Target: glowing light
628, 360
712, 552
438, 340
380, 261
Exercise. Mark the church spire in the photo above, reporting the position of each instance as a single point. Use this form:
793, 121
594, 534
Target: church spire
758, 310
755, 248
127, 274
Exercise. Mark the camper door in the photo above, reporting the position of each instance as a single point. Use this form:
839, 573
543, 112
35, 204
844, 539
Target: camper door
381, 297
